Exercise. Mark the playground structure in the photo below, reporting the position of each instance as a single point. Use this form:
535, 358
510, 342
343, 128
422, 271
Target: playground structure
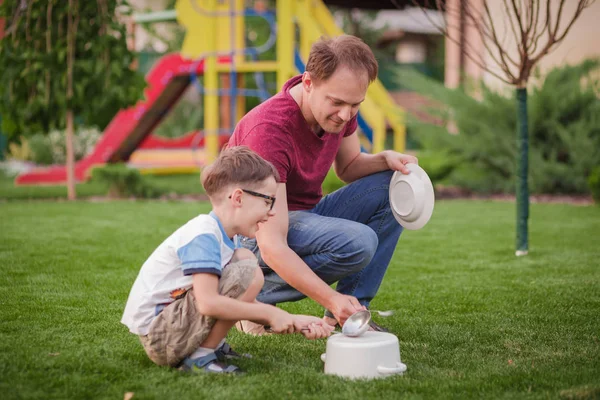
214, 47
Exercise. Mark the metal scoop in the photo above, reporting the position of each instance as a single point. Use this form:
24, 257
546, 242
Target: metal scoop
357, 323
386, 313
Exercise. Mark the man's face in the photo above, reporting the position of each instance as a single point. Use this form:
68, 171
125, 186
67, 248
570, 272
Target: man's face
335, 101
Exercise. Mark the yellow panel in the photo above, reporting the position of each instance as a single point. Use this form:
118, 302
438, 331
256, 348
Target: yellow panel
196, 15
168, 170
308, 29
285, 41
211, 85
257, 66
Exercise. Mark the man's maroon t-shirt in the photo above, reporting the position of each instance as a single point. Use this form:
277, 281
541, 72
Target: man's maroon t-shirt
278, 132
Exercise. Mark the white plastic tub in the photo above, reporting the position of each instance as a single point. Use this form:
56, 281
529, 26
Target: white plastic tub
372, 355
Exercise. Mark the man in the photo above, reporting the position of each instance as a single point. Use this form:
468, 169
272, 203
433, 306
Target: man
348, 236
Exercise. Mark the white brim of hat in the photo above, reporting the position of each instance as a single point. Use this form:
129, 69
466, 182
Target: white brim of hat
411, 197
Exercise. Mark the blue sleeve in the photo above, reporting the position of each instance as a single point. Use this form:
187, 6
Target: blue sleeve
201, 255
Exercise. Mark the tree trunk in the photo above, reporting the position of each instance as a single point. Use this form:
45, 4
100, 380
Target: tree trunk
70, 157
522, 173
71, 31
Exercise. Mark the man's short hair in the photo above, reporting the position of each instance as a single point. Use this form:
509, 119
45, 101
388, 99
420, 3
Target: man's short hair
236, 166
328, 54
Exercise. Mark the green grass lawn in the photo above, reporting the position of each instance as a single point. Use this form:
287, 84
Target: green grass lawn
182, 184
473, 320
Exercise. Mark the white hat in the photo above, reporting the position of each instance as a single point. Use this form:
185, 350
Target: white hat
411, 197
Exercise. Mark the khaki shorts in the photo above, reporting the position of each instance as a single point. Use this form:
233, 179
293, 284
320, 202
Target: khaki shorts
179, 329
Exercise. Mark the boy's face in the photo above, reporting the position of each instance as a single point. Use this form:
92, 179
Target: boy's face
256, 208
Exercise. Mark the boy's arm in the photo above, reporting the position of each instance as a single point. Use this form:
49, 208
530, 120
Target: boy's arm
274, 249
200, 257
212, 304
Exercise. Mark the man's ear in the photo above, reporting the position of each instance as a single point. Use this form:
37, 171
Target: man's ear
307, 82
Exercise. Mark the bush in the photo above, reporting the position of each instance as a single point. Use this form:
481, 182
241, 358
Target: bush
21, 152
439, 165
332, 182
84, 141
123, 181
564, 127
594, 183
41, 150
52, 148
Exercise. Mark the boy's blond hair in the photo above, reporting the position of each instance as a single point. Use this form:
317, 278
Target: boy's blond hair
236, 166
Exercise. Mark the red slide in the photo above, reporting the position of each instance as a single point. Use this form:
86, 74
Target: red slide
167, 81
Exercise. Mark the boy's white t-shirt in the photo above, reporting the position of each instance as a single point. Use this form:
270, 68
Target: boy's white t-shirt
199, 246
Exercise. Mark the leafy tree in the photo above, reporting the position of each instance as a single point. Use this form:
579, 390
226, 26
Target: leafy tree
34, 57
60, 60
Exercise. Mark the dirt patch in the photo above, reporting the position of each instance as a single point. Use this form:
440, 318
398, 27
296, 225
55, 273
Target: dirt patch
450, 193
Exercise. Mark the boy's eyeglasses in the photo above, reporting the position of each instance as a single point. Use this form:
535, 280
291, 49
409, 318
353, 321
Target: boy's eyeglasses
263, 196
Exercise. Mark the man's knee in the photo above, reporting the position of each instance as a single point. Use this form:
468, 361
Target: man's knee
242, 254
239, 275
257, 282
382, 178
368, 242
359, 246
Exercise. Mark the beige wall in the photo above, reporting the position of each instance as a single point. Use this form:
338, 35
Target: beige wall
457, 63
582, 41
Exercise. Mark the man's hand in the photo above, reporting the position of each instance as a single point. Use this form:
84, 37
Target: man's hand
312, 327
343, 306
397, 161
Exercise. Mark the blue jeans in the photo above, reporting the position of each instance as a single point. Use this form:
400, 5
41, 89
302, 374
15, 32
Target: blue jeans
349, 237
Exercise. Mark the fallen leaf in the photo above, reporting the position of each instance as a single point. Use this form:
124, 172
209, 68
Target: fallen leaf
510, 362
128, 396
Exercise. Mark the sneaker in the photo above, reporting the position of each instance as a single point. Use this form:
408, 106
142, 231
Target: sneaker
208, 363
373, 326
226, 352
251, 328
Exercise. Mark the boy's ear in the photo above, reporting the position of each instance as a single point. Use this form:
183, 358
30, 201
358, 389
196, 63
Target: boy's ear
236, 197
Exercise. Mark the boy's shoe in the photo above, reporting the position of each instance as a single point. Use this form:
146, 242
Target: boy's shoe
226, 352
209, 363
251, 328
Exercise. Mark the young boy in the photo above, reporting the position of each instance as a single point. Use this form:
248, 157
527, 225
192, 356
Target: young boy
199, 281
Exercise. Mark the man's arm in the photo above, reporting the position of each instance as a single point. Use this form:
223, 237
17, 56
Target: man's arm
272, 240
351, 164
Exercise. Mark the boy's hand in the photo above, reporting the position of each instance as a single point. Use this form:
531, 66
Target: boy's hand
312, 327
281, 321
